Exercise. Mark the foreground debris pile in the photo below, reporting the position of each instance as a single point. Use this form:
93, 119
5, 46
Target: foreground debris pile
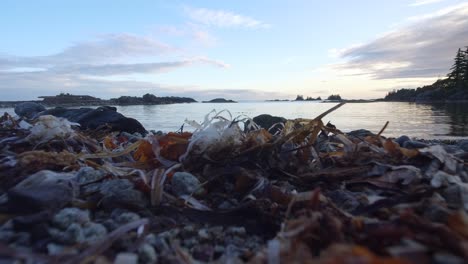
227, 194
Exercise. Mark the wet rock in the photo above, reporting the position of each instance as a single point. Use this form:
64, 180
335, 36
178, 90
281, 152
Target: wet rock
413, 144
28, 109
89, 118
184, 183
402, 139
42, 190
463, 145
147, 254
121, 193
267, 121
436, 213
361, 133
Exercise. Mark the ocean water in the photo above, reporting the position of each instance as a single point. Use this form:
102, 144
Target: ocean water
412, 119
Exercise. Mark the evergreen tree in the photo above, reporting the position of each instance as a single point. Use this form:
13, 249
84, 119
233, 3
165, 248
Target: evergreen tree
457, 70
465, 67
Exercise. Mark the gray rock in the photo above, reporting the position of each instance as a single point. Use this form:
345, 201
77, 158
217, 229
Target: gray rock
126, 258
42, 190
121, 193
28, 109
453, 196
87, 175
184, 183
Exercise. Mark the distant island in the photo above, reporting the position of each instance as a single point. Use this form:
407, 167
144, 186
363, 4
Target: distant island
453, 88
220, 100
308, 98
66, 99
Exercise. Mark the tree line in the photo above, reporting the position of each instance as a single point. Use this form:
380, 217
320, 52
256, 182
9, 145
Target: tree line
454, 87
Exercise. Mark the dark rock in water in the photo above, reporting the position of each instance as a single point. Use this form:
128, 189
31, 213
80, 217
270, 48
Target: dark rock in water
402, 139
28, 109
412, 144
267, 121
89, 118
361, 133
220, 100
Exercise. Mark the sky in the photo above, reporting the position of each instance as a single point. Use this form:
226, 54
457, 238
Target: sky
241, 50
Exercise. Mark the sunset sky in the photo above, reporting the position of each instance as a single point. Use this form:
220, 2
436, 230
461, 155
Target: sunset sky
242, 50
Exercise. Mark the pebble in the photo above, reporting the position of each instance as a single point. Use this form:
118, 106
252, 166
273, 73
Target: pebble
184, 183
67, 216
147, 254
126, 258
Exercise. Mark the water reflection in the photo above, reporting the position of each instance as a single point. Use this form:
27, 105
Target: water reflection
458, 114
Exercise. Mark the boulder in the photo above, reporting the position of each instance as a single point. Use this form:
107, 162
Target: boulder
267, 121
28, 109
90, 118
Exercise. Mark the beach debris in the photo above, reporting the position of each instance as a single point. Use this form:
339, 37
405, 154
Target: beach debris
292, 191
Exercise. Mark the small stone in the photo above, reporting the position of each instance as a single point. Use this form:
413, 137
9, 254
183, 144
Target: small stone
126, 258
203, 234
73, 234
147, 254
123, 217
184, 183
121, 192
446, 258
67, 216
236, 231
94, 232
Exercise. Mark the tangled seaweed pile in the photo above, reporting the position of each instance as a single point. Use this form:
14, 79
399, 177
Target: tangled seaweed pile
307, 194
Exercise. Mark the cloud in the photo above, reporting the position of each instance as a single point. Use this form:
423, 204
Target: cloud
90, 67
223, 19
108, 48
423, 48
424, 2
142, 68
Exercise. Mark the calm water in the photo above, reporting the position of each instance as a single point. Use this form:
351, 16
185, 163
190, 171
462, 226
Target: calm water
414, 120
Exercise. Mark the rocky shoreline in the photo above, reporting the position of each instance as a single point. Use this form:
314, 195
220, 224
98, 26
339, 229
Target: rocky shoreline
291, 191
